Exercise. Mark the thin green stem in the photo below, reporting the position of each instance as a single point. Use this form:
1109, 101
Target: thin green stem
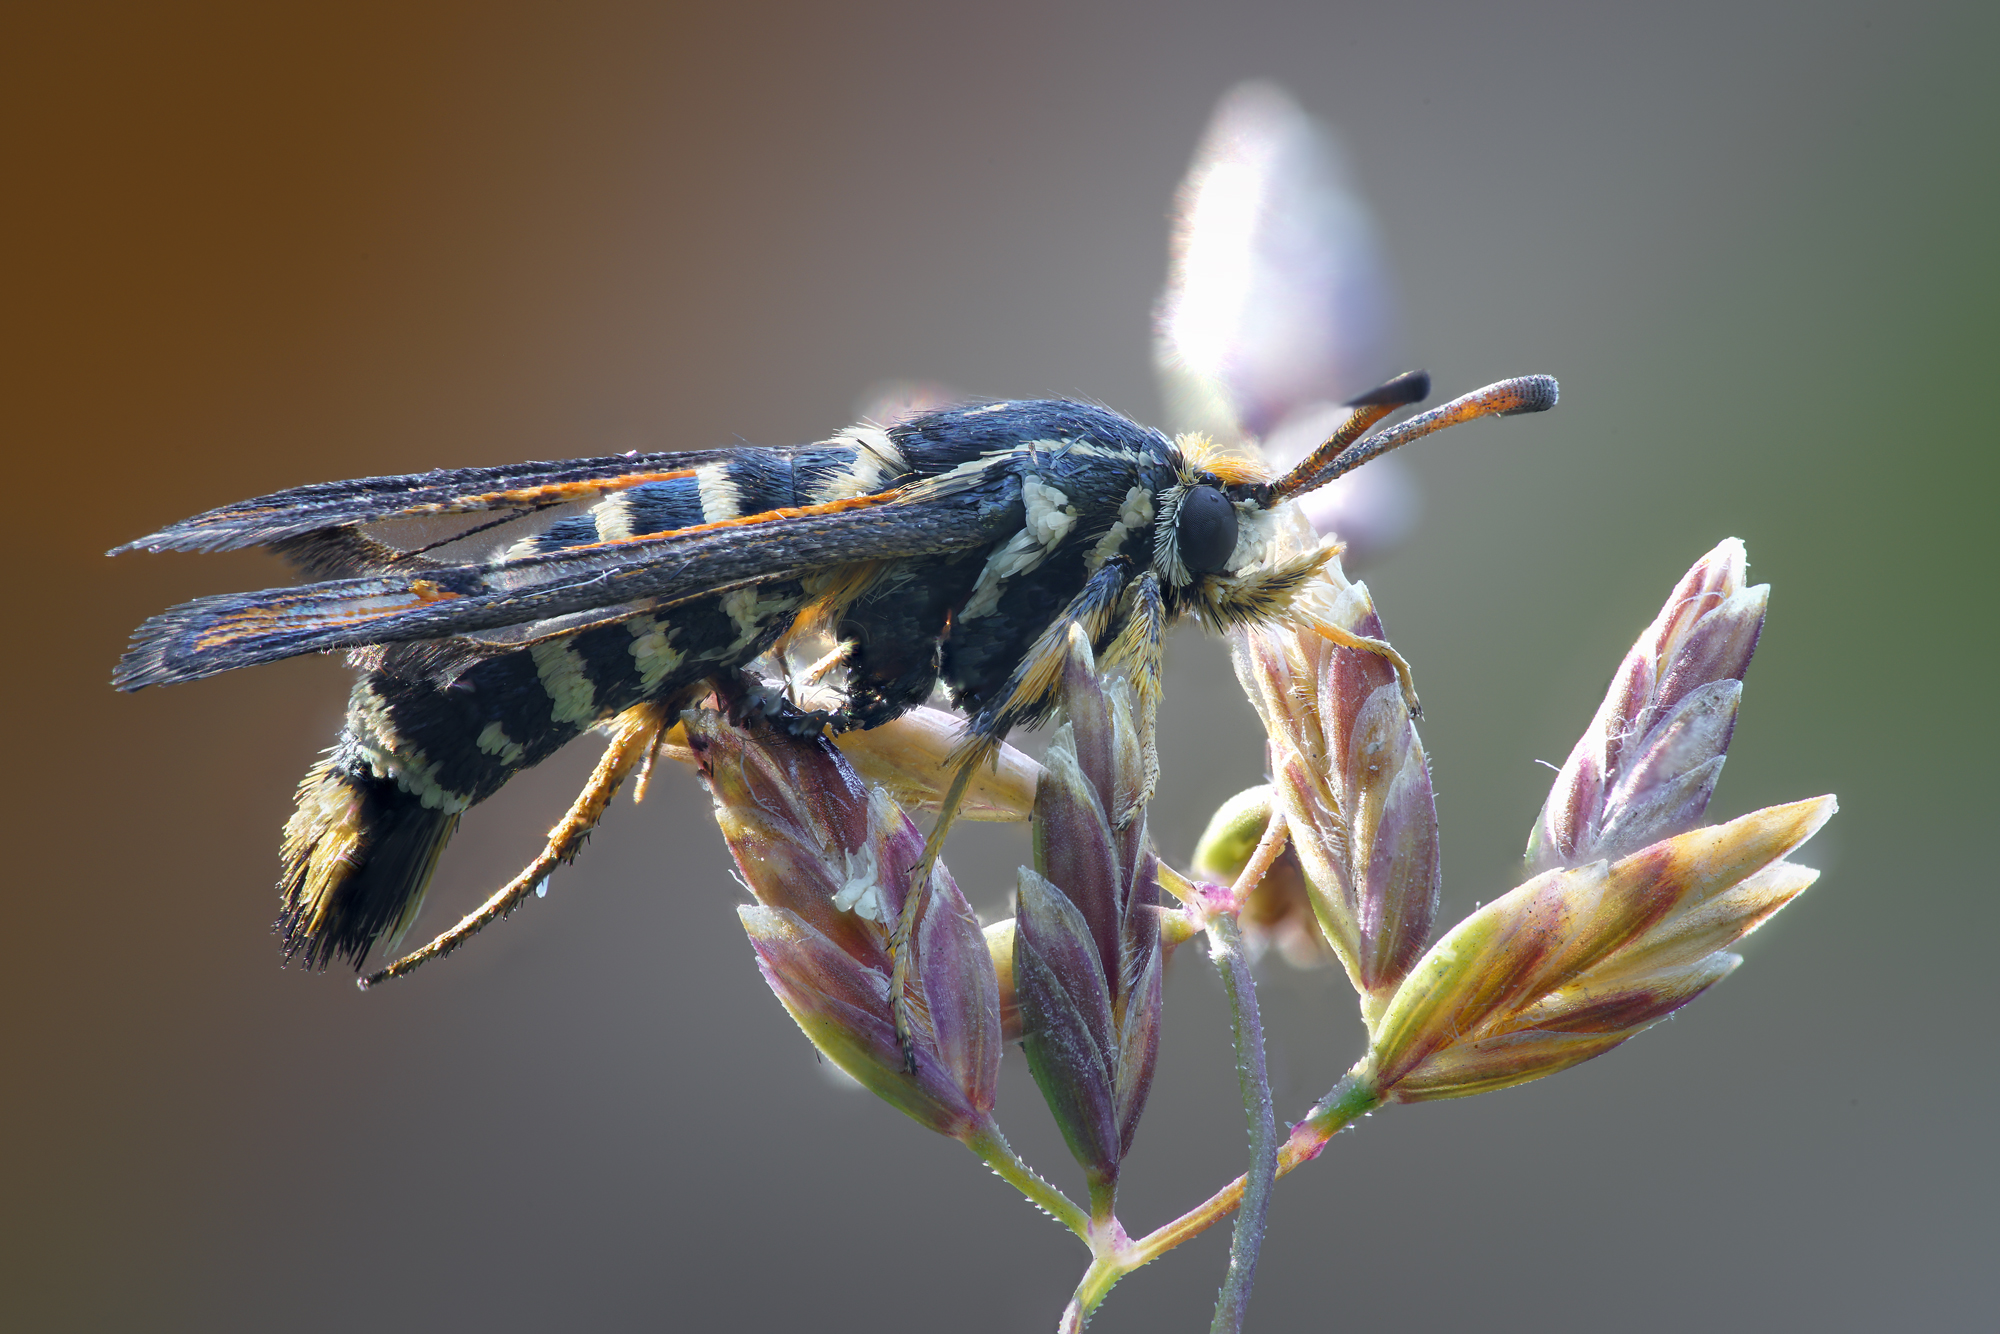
1345, 1103
1225, 948
994, 1150
1093, 1288
1348, 1101
1103, 1205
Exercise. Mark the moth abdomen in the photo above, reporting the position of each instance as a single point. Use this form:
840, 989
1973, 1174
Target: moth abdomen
440, 727
358, 854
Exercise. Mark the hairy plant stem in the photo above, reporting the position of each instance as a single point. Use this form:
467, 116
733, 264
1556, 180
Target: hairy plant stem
1225, 948
1353, 1097
994, 1150
1250, 1194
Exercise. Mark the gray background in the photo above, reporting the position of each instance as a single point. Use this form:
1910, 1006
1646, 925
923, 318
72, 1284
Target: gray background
252, 249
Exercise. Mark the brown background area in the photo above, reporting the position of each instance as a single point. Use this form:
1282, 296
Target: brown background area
252, 246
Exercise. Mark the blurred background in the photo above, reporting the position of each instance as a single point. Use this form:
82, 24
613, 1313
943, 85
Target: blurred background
252, 246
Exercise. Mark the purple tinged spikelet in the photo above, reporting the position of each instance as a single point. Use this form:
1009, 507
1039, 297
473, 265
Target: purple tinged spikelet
1647, 764
1087, 939
1350, 775
829, 864
1579, 959
1074, 848
1068, 1034
1138, 1044
962, 997
1631, 909
841, 1008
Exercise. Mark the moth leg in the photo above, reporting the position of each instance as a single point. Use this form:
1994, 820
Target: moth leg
644, 778
1029, 694
827, 664
1272, 594
919, 894
1137, 650
635, 736
1380, 648
792, 714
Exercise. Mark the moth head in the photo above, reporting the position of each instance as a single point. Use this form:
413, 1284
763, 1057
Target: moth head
1209, 523
1205, 529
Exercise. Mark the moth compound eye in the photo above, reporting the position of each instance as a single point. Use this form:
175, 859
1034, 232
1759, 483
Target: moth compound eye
1205, 530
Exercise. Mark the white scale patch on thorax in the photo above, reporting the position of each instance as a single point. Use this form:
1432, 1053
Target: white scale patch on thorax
572, 699
1002, 457
1135, 513
973, 468
1046, 521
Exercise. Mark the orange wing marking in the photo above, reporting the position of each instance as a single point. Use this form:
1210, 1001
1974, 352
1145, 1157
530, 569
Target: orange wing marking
554, 493
767, 516
270, 620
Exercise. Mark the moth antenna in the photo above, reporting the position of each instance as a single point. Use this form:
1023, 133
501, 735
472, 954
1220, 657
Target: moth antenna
1508, 398
1369, 408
